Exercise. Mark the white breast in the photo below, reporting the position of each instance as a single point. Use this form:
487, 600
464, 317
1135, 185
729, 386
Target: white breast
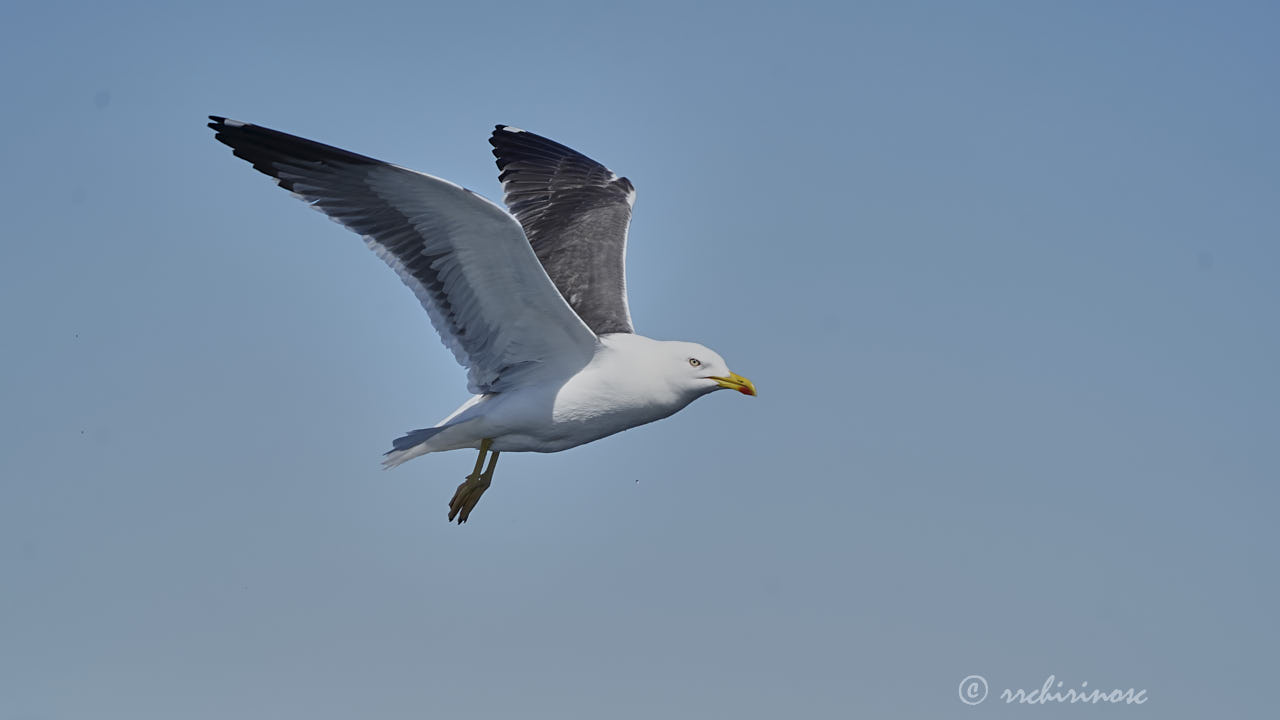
621, 388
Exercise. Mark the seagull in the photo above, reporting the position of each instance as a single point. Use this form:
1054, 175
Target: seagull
532, 302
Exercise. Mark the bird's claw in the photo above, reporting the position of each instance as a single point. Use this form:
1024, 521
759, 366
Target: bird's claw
467, 495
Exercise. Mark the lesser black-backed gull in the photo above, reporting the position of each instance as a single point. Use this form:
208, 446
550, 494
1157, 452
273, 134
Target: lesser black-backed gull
532, 303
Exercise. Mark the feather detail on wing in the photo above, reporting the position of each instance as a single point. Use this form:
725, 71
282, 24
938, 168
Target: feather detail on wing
466, 259
575, 213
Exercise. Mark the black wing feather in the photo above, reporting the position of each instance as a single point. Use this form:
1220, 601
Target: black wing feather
575, 213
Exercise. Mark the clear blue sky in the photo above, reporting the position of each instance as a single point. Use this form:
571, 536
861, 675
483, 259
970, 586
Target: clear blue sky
1007, 276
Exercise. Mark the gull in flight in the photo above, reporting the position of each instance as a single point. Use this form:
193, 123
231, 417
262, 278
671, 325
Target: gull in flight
533, 303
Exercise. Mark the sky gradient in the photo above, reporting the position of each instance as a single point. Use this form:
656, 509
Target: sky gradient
1005, 275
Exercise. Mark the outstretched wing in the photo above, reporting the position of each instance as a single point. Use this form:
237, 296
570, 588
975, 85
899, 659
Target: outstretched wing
465, 258
575, 213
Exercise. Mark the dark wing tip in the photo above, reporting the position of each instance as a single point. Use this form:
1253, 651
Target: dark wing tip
268, 149
511, 143
222, 124
519, 151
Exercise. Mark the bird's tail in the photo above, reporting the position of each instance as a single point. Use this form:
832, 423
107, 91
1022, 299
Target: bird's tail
409, 446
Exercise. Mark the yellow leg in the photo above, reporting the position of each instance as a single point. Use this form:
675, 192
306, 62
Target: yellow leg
469, 492
484, 448
493, 462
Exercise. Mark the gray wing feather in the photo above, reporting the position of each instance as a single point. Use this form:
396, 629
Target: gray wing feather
575, 213
466, 259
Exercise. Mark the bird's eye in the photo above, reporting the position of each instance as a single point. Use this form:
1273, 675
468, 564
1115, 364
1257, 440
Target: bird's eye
695, 362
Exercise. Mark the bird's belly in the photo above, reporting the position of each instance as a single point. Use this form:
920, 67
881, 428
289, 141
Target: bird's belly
557, 436
570, 425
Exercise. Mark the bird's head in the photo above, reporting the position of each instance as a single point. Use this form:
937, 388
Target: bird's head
701, 370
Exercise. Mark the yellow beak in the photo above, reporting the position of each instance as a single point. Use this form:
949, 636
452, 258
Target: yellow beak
736, 382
